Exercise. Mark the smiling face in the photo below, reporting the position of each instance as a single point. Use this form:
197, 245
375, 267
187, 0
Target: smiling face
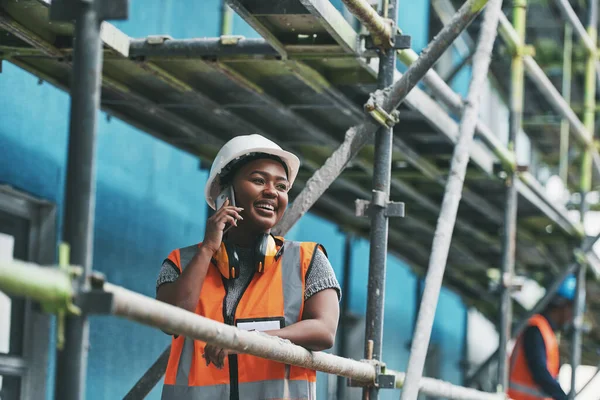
261, 188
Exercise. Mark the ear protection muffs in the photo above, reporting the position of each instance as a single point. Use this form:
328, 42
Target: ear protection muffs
267, 250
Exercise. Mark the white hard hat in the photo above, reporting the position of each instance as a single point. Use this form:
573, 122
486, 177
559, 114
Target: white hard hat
240, 146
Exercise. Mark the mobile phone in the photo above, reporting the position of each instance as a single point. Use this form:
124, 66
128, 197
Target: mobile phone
227, 193
224, 195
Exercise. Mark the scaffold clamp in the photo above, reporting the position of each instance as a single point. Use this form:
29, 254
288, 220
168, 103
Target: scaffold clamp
364, 208
382, 379
399, 42
385, 119
95, 300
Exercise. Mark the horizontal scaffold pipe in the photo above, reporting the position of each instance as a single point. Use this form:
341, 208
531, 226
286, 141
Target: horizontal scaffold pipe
191, 48
53, 285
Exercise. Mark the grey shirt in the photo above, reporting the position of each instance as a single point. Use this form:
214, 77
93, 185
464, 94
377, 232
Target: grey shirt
320, 277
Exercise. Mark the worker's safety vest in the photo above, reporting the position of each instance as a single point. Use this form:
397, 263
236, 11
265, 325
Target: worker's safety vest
521, 385
275, 295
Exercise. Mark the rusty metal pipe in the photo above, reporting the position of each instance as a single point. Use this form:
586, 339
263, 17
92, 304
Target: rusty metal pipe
380, 28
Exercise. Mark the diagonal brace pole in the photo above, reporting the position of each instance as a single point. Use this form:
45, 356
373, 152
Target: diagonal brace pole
452, 195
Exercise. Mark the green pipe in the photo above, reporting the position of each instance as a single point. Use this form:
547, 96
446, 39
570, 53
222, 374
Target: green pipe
566, 92
51, 287
589, 113
518, 70
226, 19
509, 233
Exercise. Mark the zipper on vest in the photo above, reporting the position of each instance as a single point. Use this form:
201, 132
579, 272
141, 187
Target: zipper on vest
234, 388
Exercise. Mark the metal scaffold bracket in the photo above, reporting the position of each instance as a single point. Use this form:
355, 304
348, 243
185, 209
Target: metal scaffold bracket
392, 208
158, 39
231, 40
97, 300
385, 119
383, 380
525, 50
68, 10
399, 42
501, 170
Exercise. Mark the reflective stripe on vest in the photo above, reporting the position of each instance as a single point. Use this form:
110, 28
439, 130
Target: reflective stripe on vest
257, 378
531, 391
276, 389
292, 283
195, 392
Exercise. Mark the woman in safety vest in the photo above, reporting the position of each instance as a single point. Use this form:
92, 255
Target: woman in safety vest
535, 362
242, 275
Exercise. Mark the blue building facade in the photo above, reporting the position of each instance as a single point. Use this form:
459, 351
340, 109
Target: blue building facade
150, 201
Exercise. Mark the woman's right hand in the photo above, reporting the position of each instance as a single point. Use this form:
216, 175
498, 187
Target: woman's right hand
215, 225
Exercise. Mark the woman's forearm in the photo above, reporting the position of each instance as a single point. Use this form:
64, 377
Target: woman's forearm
185, 291
312, 334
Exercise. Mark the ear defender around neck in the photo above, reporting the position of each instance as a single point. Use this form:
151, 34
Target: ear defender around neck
228, 261
267, 251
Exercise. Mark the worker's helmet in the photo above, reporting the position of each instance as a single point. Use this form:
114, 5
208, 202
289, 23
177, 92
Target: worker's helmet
567, 288
235, 150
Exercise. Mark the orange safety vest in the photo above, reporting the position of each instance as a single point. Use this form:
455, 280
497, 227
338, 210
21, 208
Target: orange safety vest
277, 293
521, 384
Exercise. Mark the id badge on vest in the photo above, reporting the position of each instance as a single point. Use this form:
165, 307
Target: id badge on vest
260, 324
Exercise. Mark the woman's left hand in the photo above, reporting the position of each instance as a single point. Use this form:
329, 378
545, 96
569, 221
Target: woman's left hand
216, 355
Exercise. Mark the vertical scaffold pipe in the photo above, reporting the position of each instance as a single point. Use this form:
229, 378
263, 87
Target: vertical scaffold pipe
566, 92
382, 176
343, 330
452, 195
510, 207
80, 191
586, 185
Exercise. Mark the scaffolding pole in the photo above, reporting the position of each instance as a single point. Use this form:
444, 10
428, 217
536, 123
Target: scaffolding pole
19, 278
509, 232
566, 92
199, 47
342, 342
78, 229
576, 341
579, 255
586, 186
382, 176
447, 217
391, 98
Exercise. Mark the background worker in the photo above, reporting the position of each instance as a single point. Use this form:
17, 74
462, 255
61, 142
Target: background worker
535, 361
250, 279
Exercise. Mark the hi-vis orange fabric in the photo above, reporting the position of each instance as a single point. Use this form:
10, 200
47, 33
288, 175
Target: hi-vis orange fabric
521, 384
275, 293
